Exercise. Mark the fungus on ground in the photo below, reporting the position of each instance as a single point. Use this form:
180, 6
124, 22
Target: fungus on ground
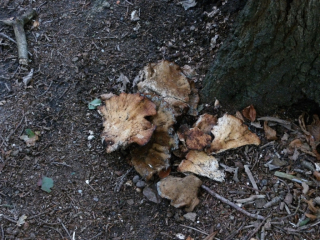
124, 121
200, 163
231, 132
155, 156
181, 191
193, 138
166, 79
206, 122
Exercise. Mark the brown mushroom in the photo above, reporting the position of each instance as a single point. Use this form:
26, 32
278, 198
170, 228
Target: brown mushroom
230, 133
206, 122
200, 163
181, 191
124, 120
166, 79
197, 140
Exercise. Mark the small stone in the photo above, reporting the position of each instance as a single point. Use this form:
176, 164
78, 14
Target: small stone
151, 195
140, 184
75, 59
138, 190
96, 199
169, 214
135, 179
192, 28
190, 216
231, 217
264, 182
130, 201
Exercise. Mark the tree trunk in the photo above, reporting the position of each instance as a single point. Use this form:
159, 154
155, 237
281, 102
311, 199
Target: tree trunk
271, 59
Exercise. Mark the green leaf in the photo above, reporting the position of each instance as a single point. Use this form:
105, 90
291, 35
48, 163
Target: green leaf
47, 183
30, 133
93, 104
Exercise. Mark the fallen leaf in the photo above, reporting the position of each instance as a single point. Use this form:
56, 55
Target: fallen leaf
317, 175
46, 184
30, 139
270, 133
231, 132
305, 188
26, 80
311, 206
106, 96
314, 128
181, 191
201, 164
123, 81
21, 220
94, 104
239, 115
186, 4
189, 238
311, 216
211, 236
249, 113
124, 121
285, 137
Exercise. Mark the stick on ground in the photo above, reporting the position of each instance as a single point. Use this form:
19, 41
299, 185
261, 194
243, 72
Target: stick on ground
222, 199
18, 27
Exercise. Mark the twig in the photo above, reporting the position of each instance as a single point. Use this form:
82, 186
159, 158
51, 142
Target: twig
64, 92
45, 90
253, 182
292, 178
2, 232
249, 199
7, 218
16, 128
18, 27
254, 231
64, 227
121, 181
273, 119
129, 2
232, 235
62, 237
96, 236
9, 38
222, 199
194, 229
38, 215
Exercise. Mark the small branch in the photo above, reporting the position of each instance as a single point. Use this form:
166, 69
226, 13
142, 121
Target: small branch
251, 198
18, 27
292, 178
64, 227
222, 199
253, 182
195, 229
254, 231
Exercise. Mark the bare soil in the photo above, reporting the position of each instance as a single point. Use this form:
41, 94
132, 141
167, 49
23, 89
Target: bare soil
78, 52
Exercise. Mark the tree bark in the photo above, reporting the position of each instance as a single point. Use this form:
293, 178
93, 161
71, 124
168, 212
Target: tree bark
271, 58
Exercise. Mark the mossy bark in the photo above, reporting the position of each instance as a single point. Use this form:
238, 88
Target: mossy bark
271, 58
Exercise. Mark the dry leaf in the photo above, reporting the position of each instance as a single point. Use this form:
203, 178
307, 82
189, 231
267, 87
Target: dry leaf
239, 115
30, 141
317, 175
311, 206
230, 133
201, 164
124, 121
270, 133
314, 128
250, 113
311, 216
181, 191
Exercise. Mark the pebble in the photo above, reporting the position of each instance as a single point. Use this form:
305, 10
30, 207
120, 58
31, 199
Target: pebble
138, 190
130, 201
264, 182
135, 179
169, 214
151, 195
96, 199
75, 59
192, 28
140, 184
190, 216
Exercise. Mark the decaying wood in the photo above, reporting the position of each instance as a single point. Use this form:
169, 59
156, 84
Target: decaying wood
18, 27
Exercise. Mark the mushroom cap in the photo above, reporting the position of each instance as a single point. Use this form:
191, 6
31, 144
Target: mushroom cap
181, 191
206, 122
200, 163
124, 121
230, 133
197, 140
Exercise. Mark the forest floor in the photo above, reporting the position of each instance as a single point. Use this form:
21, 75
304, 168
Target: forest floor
79, 49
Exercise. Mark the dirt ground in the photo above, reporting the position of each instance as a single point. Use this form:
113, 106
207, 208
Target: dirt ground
78, 50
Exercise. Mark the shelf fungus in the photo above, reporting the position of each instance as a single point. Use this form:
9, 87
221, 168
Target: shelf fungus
166, 80
194, 138
181, 191
200, 163
124, 121
155, 156
206, 122
231, 132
